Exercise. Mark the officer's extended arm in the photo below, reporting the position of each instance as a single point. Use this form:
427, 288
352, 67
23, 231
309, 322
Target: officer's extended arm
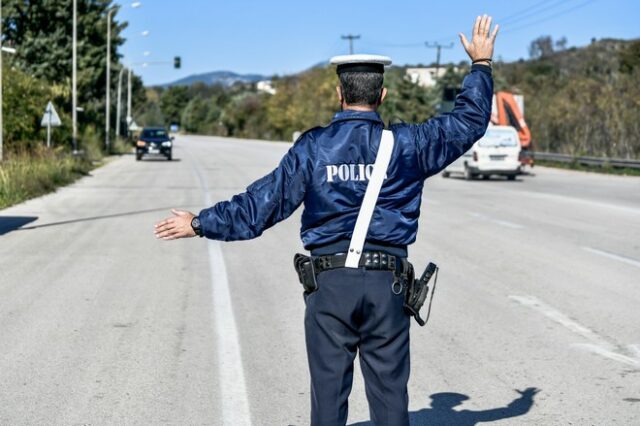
443, 139
266, 202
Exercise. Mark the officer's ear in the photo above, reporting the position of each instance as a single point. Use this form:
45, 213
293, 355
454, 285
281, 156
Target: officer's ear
383, 95
339, 92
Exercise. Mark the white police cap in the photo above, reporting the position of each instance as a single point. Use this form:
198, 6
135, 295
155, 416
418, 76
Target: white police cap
360, 63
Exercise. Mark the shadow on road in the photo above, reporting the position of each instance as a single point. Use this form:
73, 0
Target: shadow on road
442, 413
17, 223
160, 160
11, 223
518, 179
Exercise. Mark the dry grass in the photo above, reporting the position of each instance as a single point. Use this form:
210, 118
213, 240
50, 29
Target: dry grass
24, 176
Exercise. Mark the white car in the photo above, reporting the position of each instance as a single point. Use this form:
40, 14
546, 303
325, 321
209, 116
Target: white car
496, 153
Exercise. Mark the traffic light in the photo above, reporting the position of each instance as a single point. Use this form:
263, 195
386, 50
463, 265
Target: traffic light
177, 62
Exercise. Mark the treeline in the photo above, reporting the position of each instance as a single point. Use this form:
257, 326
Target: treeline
582, 101
40, 71
302, 101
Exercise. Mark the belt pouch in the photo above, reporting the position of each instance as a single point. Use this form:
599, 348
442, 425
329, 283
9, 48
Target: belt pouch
306, 273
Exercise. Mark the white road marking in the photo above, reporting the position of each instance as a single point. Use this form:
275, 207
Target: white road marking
635, 349
608, 353
613, 256
504, 223
560, 318
235, 404
598, 344
569, 199
235, 401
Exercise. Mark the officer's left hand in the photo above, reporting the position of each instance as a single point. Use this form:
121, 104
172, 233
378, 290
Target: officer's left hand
178, 226
482, 39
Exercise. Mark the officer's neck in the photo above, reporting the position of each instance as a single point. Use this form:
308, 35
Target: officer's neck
360, 108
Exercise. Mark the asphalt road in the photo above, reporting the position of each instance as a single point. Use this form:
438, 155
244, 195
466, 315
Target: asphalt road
102, 324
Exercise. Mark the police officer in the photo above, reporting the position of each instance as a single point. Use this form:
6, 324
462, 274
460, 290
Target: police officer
328, 169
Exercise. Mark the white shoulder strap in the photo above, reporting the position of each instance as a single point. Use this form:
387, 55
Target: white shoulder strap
370, 198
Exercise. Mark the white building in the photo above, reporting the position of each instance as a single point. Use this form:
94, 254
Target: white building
266, 87
425, 77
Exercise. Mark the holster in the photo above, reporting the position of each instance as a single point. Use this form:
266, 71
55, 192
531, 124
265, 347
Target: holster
417, 291
306, 273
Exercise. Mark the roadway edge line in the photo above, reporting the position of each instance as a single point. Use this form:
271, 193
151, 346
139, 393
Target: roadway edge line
234, 401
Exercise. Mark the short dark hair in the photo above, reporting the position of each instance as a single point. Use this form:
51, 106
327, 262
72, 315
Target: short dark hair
361, 88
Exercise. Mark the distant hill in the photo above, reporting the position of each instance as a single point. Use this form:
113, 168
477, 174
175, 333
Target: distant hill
229, 78
224, 78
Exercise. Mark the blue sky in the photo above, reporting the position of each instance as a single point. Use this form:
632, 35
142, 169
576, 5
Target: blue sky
283, 37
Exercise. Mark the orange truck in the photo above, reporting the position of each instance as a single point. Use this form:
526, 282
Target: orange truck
508, 110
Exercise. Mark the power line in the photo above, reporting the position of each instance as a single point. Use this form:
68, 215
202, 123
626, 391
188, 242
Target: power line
524, 14
548, 18
399, 45
532, 14
521, 15
505, 19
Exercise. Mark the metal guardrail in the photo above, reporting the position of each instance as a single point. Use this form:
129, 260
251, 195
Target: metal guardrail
588, 161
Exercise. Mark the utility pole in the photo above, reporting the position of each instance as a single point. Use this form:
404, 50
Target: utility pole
351, 37
74, 66
438, 46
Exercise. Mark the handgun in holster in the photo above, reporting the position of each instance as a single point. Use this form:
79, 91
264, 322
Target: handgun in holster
306, 272
417, 292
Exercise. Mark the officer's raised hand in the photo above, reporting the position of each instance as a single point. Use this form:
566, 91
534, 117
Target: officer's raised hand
480, 49
178, 226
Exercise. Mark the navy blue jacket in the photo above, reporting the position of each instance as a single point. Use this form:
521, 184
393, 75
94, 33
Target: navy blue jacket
327, 170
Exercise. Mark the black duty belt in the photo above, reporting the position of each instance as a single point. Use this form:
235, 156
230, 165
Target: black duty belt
415, 291
372, 260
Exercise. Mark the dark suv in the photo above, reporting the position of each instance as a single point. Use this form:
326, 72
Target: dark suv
154, 140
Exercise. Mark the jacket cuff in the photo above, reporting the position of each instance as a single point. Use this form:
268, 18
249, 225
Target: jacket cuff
483, 68
206, 224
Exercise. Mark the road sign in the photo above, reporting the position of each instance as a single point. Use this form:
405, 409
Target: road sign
50, 119
133, 126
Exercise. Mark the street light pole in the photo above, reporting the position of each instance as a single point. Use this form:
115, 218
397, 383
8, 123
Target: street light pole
108, 100
129, 117
134, 5
107, 124
74, 71
119, 102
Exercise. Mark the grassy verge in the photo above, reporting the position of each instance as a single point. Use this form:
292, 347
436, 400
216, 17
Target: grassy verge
25, 176
121, 146
594, 169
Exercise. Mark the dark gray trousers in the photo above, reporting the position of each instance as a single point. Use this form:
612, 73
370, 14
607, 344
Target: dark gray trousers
356, 310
